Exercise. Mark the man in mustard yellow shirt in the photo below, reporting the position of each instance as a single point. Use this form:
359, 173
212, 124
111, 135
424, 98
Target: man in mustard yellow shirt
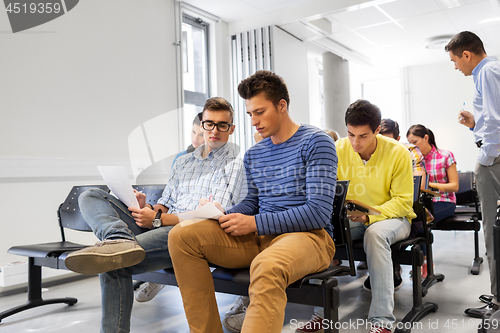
381, 175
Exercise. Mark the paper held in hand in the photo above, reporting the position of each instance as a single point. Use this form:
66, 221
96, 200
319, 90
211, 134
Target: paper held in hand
205, 212
118, 182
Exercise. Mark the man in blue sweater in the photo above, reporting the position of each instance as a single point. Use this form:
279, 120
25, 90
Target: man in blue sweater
277, 230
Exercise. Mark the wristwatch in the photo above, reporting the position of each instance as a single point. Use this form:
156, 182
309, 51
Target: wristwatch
157, 220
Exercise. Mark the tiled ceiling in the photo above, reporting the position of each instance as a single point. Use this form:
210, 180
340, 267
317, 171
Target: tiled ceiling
380, 33
233, 10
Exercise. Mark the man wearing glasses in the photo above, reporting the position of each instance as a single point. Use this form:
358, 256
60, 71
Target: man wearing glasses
134, 240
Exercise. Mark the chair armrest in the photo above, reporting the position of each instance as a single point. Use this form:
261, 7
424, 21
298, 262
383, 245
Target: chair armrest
324, 275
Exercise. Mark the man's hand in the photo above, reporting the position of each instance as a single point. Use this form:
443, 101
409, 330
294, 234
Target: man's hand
466, 118
141, 198
204, 201
238, 224
362, 218
143, 216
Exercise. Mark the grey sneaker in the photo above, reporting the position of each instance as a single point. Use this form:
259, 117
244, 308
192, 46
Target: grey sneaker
148, 291
240, 305
234, 323
105, 256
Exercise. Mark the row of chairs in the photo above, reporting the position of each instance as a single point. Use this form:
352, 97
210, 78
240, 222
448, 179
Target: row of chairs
237, 281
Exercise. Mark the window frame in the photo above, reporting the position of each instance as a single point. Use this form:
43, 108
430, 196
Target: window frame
193, 97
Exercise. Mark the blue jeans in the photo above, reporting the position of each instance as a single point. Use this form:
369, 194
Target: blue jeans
443, 210
377, 240
109, 218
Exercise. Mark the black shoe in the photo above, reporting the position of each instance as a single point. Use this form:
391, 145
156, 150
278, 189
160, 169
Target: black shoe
366, 285
486, 298
482, 311
398, 283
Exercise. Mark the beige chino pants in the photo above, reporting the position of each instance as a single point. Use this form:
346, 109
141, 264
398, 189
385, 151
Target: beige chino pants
275, 262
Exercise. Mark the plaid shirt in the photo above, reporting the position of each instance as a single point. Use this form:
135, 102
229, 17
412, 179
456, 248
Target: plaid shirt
220, 174
437, 161
417, 159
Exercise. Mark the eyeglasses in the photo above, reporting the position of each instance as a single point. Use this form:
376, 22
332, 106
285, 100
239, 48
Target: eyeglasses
210, 125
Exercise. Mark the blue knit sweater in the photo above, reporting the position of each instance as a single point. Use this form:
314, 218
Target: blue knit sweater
291, 185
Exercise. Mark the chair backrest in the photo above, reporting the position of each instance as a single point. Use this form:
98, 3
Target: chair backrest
153, 192
417, 180
69, 213
338, 211
466, 193
418, 208
340, 223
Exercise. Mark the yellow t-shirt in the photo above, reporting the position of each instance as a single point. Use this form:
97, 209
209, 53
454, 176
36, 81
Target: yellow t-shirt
385, 182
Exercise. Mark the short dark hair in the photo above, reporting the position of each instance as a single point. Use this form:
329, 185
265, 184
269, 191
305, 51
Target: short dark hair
420, 131
465, 41
362, 113
389, 126
265, 81
218, 104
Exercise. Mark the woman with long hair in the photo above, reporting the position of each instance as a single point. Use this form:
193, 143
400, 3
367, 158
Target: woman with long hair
441, 167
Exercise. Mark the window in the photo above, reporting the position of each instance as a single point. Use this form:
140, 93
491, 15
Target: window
195, 70
250, 52
381, 87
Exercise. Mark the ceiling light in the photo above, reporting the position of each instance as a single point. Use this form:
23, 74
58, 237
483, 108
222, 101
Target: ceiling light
489, 20
438, 42
450, 3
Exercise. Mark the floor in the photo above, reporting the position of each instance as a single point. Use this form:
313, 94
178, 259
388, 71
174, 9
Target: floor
453, 255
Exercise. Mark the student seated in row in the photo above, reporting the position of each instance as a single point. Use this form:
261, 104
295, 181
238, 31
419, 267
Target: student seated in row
441, 167
134, 240
380, 174
390, 129
197, 138
233, 319
278, 230
148, 290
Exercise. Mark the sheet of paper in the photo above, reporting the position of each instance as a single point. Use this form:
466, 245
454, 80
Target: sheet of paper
118, 182
207, 211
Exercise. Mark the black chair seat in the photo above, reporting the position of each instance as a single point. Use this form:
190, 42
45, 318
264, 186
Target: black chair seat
52, 254
466, 209
235, 275
165, 276
243, 275
458, 222
54, 249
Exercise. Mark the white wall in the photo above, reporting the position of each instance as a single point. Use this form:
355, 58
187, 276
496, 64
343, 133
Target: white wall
71, 93
290, 62
436, 95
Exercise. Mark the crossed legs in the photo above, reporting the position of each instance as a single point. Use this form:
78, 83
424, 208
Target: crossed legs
109, 218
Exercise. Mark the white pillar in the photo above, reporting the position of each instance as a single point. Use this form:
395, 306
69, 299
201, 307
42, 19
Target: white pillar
336, 92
